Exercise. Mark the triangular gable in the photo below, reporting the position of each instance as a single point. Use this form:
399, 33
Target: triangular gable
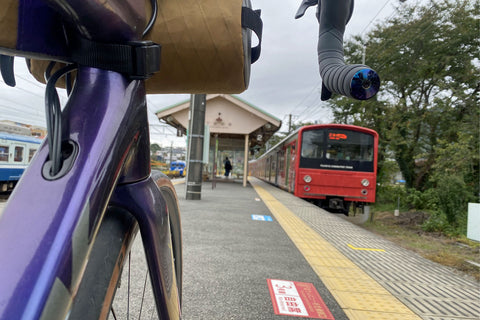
224, 114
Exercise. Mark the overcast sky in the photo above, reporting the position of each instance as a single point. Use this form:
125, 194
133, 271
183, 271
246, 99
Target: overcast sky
284, 80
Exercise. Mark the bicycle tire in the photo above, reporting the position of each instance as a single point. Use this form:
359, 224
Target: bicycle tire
104, 268
170, 196
110, 251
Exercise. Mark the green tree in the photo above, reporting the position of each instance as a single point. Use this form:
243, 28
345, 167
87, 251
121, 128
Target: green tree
427, 58
154, 147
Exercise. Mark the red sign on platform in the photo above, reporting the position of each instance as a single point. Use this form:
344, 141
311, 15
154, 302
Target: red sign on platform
298, 299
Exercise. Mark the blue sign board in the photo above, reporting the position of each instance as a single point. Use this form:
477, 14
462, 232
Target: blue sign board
261, 218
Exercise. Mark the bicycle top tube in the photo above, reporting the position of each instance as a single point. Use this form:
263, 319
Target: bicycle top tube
47, 226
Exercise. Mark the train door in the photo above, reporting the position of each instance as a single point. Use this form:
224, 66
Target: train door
17, 161
273, 169
287, 168
281, 168
292, 167
270, 168
267, 169
277, 157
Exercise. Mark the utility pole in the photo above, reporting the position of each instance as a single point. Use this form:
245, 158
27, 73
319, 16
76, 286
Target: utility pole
195, 146
289, 123
364, 53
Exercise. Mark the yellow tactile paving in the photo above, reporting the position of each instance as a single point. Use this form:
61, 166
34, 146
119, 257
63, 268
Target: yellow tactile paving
370, 315
177, 181
360, 296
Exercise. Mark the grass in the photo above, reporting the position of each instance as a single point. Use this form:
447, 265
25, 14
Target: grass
406, 231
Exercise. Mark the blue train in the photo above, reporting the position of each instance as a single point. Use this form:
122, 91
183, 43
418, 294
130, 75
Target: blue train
16, 152
178, 166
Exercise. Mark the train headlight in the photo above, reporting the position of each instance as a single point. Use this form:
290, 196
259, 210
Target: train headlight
365, 183
307, 179
307, 188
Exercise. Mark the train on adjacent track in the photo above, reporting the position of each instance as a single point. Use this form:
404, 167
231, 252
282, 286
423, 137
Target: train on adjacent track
16, 152
330, 165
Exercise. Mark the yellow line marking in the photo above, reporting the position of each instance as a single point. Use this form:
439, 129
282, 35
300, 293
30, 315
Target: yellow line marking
365, 249
360, 296
177, 181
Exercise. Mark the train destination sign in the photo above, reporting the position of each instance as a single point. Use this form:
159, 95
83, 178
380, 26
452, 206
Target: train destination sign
299, 299
337, 136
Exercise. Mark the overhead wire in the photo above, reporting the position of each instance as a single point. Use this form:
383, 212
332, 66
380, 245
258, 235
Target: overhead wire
22, 111
411, 39
316, 113
305, 97
379, 11
19, 116
30, 80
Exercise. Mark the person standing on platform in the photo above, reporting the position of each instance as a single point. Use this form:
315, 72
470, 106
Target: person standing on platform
228, 167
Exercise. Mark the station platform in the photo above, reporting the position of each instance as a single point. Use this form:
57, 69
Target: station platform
230, 258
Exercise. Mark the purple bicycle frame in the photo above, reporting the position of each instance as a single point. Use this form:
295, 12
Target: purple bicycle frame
48, 227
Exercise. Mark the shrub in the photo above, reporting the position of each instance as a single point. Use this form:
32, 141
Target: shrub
453, 196
418, 200
389, 194
450, 200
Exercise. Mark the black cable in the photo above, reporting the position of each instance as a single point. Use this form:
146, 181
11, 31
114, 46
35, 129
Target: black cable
49, 119
54, 117
48, 71
68, 83
152, 18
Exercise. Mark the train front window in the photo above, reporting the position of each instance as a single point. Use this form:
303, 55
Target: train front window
337, 149
348, 145
312, 144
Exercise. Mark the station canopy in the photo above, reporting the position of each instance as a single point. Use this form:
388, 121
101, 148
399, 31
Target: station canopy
228, 116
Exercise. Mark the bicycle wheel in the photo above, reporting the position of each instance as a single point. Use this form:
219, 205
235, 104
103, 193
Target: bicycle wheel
169, 194
116, 282
134, 297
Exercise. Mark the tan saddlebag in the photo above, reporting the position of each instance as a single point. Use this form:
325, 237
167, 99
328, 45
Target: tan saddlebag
206, 47
205, 44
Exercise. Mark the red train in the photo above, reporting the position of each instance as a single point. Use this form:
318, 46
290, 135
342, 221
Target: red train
333, 166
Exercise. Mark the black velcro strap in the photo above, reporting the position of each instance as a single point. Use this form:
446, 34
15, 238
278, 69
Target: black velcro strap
251, 19
138, 60
6, 67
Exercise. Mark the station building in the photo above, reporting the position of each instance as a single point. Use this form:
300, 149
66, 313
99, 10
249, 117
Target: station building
233, 129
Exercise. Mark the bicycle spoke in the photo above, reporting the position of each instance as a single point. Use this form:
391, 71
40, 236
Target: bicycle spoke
113, 313
134, 299
151, 314
128, 291
143, 295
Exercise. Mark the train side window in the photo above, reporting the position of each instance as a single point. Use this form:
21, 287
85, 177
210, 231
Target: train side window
4, 153
31, 153
18, 154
